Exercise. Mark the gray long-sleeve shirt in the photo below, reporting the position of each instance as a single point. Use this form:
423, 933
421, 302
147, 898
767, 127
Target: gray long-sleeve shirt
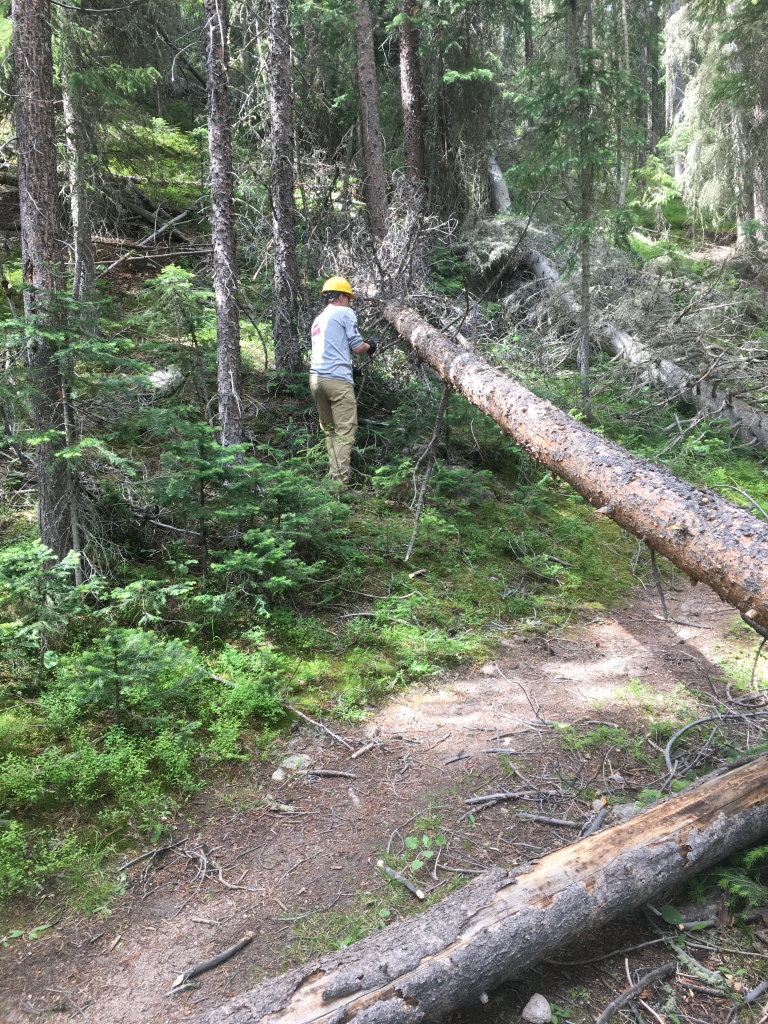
334, 337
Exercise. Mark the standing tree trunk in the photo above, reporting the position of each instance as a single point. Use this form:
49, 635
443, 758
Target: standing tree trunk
284, 327
223, 224
41, 257
84, 268
410, 90
586, 188
373, 140
527, 31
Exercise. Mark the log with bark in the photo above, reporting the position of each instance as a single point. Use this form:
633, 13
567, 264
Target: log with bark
746, 422
499, 925
710, 538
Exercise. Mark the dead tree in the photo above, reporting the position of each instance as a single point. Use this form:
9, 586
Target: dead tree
454, 953
410, 91
42, 257
284, 327
709, 538
745, 421
223, 224
373, 140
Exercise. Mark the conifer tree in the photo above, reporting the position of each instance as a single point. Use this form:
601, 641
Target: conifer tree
41, 259
223, 225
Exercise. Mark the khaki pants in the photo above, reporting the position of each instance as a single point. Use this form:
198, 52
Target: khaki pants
337, 408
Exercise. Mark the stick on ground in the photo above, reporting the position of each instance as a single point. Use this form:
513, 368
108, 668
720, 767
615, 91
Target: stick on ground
630, 993
208, 965
319, 725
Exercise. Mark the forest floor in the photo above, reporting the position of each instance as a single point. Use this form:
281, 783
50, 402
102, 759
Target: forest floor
609, 678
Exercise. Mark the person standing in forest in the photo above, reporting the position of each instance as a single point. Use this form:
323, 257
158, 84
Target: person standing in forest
334, 338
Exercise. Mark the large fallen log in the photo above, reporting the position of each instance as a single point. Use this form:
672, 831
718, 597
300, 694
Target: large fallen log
496, 927
710, 538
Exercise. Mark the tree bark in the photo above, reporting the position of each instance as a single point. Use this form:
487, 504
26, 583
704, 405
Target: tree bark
586, 189
223, 224
41, 256
498, 926
410, 91
84, 267
373, 140
499, 190
284, 326
709, 538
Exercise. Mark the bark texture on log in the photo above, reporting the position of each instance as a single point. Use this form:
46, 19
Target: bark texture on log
424, 967
284, 329
41, 254
223, 224
373, 140
410, 91
747, 423
709, 538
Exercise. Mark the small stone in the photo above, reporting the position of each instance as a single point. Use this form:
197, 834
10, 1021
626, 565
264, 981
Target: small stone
278, 775
597, 805
296, 762
488, 669
623, 812
537, 1010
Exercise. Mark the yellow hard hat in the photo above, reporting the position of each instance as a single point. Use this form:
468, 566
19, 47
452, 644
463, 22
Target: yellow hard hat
338, 284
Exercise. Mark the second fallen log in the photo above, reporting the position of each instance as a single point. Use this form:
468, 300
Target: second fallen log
418, 970
710, 538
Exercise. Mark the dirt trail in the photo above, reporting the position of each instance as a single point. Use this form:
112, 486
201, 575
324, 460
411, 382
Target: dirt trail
432, 749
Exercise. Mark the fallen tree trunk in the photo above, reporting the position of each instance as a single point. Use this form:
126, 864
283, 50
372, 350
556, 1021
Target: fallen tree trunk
711, 539
746, 422
452, 954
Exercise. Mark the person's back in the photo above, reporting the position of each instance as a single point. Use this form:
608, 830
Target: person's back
334, 338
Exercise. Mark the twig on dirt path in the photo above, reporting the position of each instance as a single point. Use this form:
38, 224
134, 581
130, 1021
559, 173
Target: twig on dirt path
230, 885
438, 742
317, 910
151, 853
399, 877
596, 824
208, 965
330, 772
604, 956
550, 821
364, 750
476, 810
318, 725
498, 797
463, 871
459, 757
427, 810
506, 750
625, 997
534, 706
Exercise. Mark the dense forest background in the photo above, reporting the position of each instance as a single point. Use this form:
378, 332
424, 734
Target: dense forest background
576, 189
